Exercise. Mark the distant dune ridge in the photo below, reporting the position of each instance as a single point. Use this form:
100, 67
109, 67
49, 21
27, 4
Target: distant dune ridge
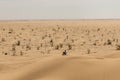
32, 50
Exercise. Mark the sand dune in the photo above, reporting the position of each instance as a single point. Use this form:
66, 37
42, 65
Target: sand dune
32, 50
63, 68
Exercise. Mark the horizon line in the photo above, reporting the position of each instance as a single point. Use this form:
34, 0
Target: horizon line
57, 19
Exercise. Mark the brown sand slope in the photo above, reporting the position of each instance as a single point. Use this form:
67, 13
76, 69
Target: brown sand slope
60, 68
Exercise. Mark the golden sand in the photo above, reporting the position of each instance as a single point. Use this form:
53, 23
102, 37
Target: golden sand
32, 50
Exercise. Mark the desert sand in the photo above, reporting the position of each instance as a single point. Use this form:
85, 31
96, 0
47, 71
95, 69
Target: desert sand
32, 50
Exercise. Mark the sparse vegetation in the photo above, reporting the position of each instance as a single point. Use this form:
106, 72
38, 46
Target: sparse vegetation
18, 43
21, 53
3, 39
6, 53
28, 47
109, 42
57, 47
117, 47
88, 51
26, 38
69, 46
51, 43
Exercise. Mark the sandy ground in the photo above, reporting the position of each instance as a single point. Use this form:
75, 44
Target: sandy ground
31, 50
82, 67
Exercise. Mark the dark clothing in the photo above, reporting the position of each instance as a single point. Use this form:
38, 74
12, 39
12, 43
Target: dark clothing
64, 53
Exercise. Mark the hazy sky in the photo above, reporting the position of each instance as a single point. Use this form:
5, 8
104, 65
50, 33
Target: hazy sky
59, 9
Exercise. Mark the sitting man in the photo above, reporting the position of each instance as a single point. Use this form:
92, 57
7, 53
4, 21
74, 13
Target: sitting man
64, 53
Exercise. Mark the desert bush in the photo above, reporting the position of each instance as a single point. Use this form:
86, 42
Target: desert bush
117, 40
98, 29
10, 31
102, 35
72, 41
61, 45
6, 53
104, 44
94, 43
3, 39
43, 38
49, 35
32, 30
58, 27
113, 40
67, 37
22, 28
3, 29
117, 47
88, 51
28, 47
69, 46
21, 53
54, 30
63, 29
41, 45
20, 33
38, 47
109, 42
51, 43
57, 47
18, 43
13, 50
48, 52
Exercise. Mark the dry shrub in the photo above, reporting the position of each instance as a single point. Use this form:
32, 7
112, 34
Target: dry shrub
61, 45
51, 43
57, 47
38, 47
18, 43
54, 30
88, 51
94, 43
69, 46
10, 31
98, 29
13, 50
109, 42
3, 29
49, 35
41, 45
6, 53
22, 28
72, 41
21, 53
28, 47
32, 30
3, 39
117, 47
58, 27
48, 52
43, 38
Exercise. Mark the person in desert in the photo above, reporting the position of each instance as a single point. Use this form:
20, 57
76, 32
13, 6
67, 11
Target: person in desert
64, 53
